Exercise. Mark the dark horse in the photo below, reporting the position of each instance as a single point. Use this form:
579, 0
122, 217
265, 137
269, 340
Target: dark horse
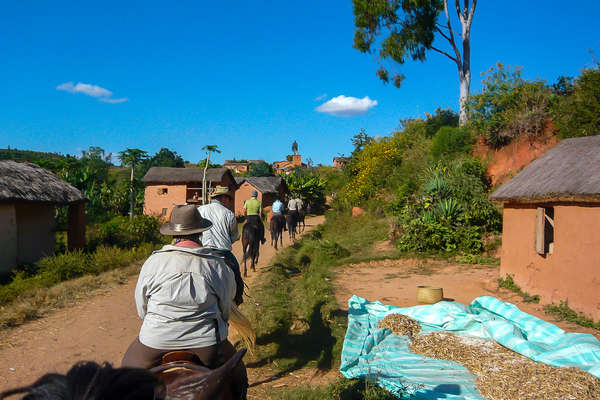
276, 226
301, 215
291, 219
251, 245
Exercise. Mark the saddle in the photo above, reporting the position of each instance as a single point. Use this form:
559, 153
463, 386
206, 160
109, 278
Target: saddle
187, 378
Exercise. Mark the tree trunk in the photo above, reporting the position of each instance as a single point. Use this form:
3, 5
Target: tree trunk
465, 72
204, 191
131, 192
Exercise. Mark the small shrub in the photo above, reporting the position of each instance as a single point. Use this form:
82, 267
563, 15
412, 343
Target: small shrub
450, 142
564, 312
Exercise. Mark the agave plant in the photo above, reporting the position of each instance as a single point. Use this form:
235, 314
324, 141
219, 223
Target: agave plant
448, 209
438, 187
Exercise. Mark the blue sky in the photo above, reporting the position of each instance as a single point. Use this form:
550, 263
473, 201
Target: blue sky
244, 75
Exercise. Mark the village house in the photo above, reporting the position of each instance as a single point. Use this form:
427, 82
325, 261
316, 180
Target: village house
29, 195
167, 187
551, 226
286, 167
340, 162
241, 166
268, 188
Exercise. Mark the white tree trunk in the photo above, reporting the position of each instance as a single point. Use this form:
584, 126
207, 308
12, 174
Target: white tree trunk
204, 191
131, 199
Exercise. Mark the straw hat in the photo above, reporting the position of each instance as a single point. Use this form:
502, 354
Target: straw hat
220, 191
185, 220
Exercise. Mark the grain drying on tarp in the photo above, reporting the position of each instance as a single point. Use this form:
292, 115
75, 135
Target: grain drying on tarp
400, 325
501, 374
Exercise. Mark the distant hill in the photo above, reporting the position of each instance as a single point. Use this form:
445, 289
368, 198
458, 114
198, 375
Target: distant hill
28, 155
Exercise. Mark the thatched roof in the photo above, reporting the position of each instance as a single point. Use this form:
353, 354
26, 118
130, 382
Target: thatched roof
168, 175
25, 182
568, 172
264, 184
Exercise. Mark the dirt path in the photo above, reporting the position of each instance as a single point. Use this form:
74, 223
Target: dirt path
395, 282
98, 328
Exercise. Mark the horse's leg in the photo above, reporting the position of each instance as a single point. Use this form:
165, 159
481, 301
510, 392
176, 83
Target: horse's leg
245, 269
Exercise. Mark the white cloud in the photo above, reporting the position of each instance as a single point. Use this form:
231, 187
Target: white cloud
95, 91
321, 97
347, 106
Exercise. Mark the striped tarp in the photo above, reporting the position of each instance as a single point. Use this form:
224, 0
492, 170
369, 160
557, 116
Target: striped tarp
383, 357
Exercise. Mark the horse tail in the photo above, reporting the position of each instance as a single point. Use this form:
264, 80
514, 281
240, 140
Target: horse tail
243, 327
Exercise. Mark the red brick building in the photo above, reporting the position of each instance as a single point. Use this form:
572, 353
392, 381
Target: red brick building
286, 167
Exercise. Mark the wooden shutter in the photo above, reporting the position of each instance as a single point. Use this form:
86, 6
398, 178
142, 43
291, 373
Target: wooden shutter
540, 219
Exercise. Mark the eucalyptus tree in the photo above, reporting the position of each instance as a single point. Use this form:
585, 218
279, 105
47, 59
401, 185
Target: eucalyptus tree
132, 157
405, 29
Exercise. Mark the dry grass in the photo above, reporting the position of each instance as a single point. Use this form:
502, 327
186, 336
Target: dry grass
41, 301
400, 325
502, 374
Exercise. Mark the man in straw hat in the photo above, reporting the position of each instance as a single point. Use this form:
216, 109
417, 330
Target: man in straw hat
223, 233
253, 211
184, 296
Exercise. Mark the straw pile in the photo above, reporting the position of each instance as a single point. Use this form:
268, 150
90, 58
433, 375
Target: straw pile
502, 374
400, 325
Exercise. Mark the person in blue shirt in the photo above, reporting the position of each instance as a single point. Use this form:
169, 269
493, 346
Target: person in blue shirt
277, 207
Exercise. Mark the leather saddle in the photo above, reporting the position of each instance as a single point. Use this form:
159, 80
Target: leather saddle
186, 378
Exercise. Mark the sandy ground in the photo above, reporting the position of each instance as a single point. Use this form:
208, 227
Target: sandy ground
98, 328
395, 282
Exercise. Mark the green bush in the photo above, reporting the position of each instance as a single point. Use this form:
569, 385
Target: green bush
450, 142
576, 113
124, 232
450, 212
509, 106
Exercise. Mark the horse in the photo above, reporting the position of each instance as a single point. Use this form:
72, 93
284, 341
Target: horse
301, 216
276, 226
186, 378
291, 221
250, 245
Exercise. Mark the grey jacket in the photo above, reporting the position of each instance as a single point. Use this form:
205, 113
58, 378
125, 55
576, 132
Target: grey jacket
181, 294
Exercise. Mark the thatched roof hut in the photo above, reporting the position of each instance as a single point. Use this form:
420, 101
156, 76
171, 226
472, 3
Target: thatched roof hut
568, 172
264, 184
30, 183
174, 176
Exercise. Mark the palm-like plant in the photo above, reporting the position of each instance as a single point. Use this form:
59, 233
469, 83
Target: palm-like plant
209, 148
132, 157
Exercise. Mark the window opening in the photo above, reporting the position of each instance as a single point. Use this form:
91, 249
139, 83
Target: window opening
164, 212
544, 235
165, 190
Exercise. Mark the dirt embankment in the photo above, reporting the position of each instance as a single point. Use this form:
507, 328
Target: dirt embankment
506, 162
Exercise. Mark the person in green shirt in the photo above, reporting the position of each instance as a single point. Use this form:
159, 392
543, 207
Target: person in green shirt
253, 212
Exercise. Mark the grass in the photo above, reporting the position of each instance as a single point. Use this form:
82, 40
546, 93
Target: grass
563, 312
478, 259
58, 281
298, 321
342, 389
509, 283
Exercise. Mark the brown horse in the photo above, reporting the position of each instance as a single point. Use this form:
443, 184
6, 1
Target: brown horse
250, 245
186, 379
301, 216
276, 226
291, 219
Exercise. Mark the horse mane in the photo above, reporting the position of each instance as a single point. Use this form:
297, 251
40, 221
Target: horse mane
92, 381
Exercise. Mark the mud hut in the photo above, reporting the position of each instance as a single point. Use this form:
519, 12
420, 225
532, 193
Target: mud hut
268, 188
29, 195
551, 225
166, 187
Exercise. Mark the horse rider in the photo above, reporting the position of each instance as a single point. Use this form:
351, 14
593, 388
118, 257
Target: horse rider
253, 213
278, 210
294, 206
223, 233
184, 296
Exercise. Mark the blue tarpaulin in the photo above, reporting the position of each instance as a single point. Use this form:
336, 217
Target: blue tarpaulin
380, 355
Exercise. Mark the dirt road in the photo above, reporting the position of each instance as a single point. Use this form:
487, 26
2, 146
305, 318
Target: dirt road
395, 282
98, 328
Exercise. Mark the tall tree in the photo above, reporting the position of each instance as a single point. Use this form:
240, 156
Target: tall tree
295, 147
132, 157
412, 27
209, 148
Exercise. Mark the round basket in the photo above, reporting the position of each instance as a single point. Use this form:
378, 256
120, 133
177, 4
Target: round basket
429, 294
